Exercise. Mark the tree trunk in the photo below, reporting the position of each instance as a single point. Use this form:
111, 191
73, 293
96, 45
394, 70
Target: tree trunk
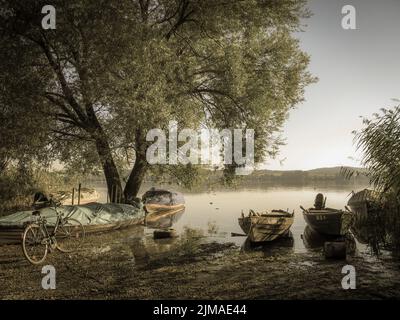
110, 170
136, 177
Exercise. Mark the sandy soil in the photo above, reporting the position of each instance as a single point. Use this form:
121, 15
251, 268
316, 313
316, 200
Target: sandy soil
129, 264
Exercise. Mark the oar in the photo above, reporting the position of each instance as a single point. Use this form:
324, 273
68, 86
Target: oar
301, 207
234, 234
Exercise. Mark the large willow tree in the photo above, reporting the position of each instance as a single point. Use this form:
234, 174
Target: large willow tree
112, 70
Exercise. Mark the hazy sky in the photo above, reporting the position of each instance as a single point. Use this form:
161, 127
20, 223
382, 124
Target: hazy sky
358, 73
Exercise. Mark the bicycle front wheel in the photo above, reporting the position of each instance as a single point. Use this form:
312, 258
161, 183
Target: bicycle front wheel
34, 244
70, 235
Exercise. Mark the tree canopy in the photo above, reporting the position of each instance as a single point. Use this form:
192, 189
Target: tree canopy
113, 70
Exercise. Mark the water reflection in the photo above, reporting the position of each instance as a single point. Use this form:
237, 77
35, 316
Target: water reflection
154, 253
201, 209
277, 246
163, 219
314, 240
139, 251
144, 247
369, 230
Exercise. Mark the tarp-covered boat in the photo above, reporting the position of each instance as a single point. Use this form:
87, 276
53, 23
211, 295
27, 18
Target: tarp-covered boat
264, 227
95, 217
156, 200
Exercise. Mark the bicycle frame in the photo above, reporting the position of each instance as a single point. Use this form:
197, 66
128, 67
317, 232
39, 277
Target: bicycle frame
43, 224
45, 237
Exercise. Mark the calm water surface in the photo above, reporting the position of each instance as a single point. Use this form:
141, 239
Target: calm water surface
216, 213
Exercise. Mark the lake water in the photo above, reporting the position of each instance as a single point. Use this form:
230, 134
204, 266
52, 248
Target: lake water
216, 213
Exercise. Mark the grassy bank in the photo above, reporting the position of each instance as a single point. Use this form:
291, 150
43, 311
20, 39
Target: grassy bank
128, 264
17, 187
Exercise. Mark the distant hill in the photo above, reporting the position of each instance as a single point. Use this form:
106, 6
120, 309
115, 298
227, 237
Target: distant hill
314, 177
333, 174
336, 170
331, 171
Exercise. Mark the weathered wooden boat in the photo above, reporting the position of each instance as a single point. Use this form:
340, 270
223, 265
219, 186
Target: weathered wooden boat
156, 200
264, 227
367, 208
86, 195
327, 221
163, 219
95, 217
364, 204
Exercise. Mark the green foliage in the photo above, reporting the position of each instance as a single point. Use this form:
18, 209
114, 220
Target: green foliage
20, 181
379, 141
112, 70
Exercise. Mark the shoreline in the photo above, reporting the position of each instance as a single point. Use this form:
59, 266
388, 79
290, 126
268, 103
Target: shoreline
129, 264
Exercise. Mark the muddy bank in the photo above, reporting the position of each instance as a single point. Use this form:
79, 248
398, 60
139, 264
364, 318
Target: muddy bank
129, 264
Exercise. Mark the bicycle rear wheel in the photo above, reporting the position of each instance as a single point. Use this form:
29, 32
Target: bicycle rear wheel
70, 235
34, 244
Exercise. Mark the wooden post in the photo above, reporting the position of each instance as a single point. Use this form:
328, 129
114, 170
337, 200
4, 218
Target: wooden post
73, 195
79, 194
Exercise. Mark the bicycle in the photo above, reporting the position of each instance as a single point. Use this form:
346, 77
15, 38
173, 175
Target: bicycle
67, 235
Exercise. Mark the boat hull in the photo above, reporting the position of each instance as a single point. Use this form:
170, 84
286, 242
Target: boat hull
95, 217
265, 228
13, 235
163, 219
367, 212
156, 208
328, 222
158, 200
364, 204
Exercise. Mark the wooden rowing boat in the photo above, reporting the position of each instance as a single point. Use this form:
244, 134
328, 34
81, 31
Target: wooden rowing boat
368, 211
265, 227
163, 219
157, 200
365, 204
155, 208
328, 221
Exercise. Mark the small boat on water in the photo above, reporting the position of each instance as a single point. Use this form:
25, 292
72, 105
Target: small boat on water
364, 203
264, 227
368, 225
327, 221
156, 200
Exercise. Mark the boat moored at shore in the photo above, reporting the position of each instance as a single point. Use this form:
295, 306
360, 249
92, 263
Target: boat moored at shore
327, 221
264, 227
